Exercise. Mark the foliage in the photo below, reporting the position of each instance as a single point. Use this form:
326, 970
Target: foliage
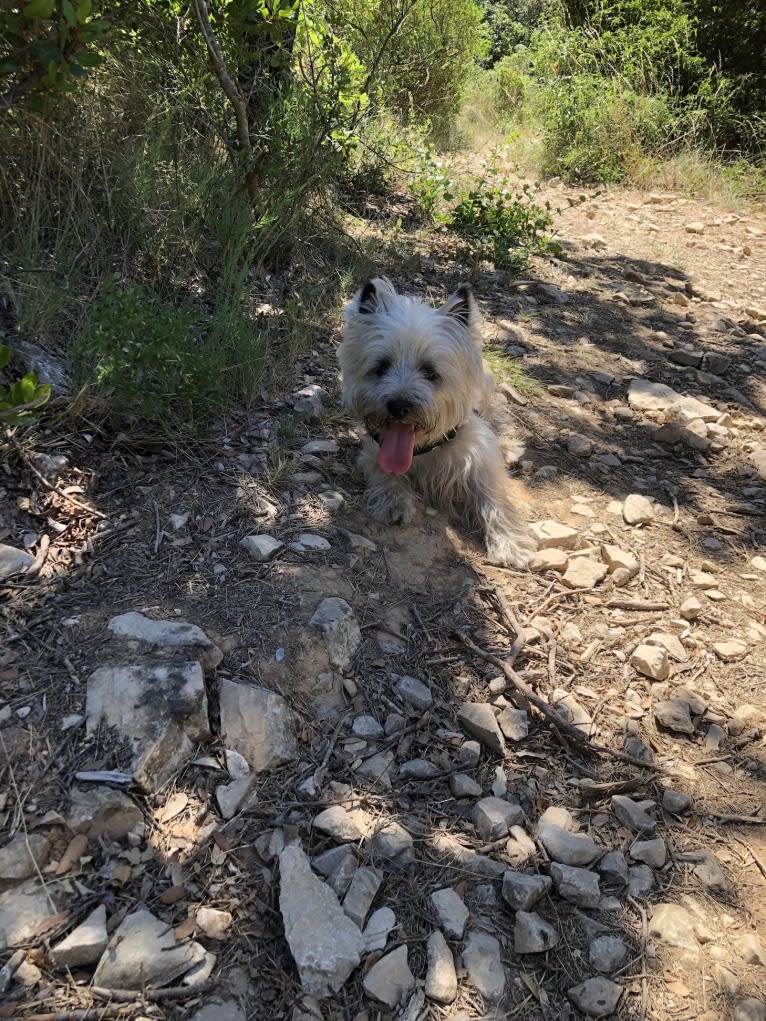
511, 86
45, 46
599, 130
148, 355
709, 60
511, 23
419, 53
499, 224
22, 399
430, 186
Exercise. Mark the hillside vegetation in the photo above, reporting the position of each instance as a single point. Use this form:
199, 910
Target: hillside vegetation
167, 167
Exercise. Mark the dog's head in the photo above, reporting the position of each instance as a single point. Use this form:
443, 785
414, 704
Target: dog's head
411, 373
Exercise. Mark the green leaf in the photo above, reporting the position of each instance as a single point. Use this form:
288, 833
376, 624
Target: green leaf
38, 9
90, 59
23, 390
8, 66
83, 10
5, 355
69, 13
46, 52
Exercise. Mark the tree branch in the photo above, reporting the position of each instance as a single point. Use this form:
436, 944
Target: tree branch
232, 93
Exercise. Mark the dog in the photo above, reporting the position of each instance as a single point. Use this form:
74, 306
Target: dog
416, 378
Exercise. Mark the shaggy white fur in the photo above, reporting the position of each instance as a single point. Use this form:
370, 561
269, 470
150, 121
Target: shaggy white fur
416, 378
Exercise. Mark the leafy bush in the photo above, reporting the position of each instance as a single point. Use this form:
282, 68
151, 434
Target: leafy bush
511, 87
22, 399
430, 186
148, 356
422, 53
45, 46
704, 57
599, 130
511, 23
502, 225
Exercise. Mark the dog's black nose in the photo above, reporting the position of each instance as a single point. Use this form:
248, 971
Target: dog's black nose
397, 408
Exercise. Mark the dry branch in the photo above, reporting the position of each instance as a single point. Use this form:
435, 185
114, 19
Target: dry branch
575, 735
233, 94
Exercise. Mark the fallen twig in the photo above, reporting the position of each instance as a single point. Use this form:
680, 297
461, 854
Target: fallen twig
574, 733
745, 820
520, 640
635, 604
154, 995
758, 863
84, 1014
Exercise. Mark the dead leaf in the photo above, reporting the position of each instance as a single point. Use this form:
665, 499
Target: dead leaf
173, 894
71, 857
678, 988
186, 929
122, 874
172, 807
222, 841
534, 987
51, 923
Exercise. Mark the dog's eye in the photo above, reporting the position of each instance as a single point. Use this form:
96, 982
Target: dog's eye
430, 372
381, 368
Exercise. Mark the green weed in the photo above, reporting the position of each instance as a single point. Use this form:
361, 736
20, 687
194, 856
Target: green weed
501, 224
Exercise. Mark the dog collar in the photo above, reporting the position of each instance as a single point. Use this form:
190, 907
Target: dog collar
436, 443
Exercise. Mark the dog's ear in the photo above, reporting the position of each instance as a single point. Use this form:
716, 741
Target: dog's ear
461, 306
368, 298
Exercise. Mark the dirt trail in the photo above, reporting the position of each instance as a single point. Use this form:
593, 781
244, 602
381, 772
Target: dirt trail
652, 288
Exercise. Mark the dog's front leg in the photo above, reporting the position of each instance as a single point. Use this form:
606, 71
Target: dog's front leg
388, 498
506, 535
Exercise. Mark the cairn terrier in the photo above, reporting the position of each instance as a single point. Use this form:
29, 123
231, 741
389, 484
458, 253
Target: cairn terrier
416, 378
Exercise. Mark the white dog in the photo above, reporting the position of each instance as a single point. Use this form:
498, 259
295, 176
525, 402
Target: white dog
416, 378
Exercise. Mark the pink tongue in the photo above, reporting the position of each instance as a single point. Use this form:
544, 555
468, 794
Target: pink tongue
396, 449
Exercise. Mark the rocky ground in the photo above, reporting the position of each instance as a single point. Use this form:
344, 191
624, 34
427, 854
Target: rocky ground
264, 759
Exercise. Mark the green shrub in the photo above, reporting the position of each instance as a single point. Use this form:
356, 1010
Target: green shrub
430, 186
502, 225
21, 400
511, 87
511, 23
599, 130
423, 53
147, 356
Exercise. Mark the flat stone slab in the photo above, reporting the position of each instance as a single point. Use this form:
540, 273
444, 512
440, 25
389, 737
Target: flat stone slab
335, 619
23, 856
22, 909
167, 634
160, 710
479, 719
389, 980
85, 944
647, 396
532, 934
326, 945
481, 957
451, 912
596, 997
13, 561
441, 978
258, 724
143, 952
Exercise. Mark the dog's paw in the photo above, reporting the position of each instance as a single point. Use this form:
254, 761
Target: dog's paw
504, 550
390, 508
512, 450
